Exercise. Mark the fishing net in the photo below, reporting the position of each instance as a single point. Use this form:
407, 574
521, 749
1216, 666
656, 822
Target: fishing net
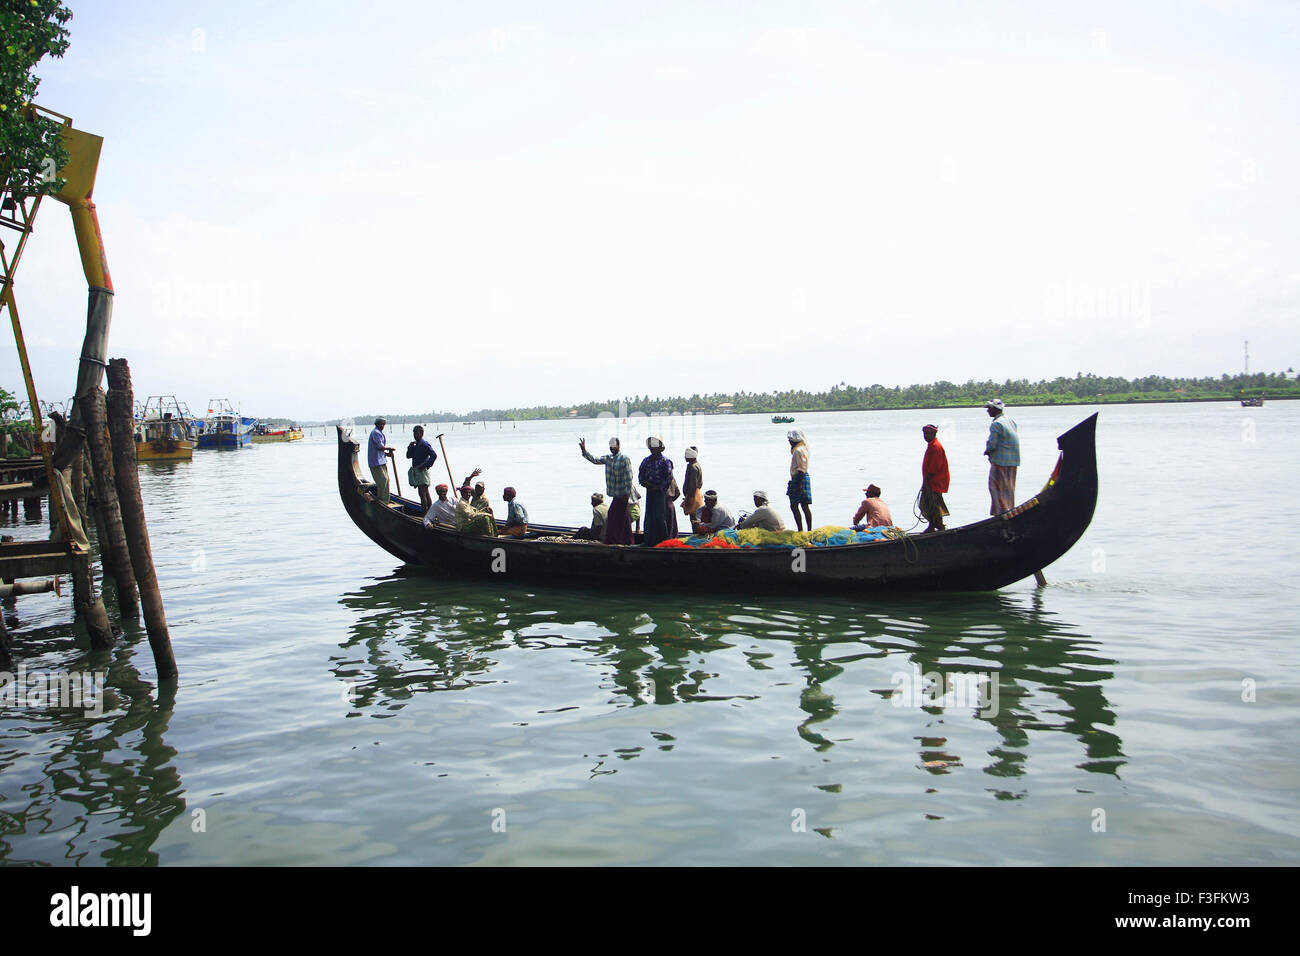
824, 537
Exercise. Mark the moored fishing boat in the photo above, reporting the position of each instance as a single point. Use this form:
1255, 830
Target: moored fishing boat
224, 427
263, 434
165, 430
983, 556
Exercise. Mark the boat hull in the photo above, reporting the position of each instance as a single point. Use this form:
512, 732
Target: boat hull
293, 434
171, 450
984, 556
223, 440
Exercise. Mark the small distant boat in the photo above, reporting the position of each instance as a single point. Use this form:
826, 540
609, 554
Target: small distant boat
469, 423
782, 419
263, 433
224, 427
165, 431
1258, 400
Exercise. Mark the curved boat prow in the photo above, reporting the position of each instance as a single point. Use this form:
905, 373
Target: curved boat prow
1078, 469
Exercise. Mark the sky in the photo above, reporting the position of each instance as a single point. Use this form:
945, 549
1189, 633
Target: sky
320, 210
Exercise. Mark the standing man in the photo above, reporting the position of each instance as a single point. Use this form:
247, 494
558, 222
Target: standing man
693, 488
422, 458
934, 480
618, 485
799, 488
1003, 451
655, 475
376, 453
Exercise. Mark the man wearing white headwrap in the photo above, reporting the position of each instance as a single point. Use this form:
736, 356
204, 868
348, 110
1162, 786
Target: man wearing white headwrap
799, 488
1003, 450
655, 475
763, 516
692, 495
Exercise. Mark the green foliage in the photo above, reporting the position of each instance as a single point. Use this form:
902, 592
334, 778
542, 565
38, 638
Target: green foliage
31, 150
1080, 390
15, 433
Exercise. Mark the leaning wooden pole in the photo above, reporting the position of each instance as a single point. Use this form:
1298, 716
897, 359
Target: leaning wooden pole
112, 534
126, 477
79, 485
6, 656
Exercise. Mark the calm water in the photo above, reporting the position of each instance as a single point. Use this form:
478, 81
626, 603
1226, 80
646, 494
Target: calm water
336, 708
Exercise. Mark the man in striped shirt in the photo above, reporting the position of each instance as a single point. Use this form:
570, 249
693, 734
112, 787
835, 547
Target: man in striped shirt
1003, 451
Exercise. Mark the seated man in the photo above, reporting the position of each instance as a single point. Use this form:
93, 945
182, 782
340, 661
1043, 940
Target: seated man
713, 516
516, 525
874, 510
441, 511
764, 516
479, 499
470, 519
599, 515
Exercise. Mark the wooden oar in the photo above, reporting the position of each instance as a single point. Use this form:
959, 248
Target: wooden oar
450, 477
395, 478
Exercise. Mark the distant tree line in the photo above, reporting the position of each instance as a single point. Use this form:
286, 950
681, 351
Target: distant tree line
1080, 390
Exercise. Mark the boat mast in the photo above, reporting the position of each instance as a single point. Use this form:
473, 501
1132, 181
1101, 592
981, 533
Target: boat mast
1246, 350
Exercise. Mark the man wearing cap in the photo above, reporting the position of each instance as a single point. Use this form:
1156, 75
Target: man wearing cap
516, 525
655, 475
763, 516
934, 480
875, 511
799, 488
618, 485
479, 501
470, 519
442, 510
713, 516
1003, 451
376, 452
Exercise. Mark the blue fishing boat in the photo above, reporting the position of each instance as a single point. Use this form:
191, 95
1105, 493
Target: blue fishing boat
225, 427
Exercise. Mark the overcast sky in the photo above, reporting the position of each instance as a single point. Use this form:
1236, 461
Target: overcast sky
318, 210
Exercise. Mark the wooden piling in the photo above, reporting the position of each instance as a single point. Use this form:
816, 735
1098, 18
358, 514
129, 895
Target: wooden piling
126, 477
88, 604
85, 600
114, 553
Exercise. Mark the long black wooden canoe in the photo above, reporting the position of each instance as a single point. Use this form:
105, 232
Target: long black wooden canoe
982, 556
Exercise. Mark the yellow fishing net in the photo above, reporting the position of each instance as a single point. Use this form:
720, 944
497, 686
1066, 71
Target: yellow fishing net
795, 539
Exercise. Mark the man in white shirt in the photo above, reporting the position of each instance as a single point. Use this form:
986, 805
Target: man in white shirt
764, 515
713, 516
441, 511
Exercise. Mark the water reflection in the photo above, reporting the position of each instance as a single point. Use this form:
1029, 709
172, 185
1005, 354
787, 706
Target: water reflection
412, 634
101, 787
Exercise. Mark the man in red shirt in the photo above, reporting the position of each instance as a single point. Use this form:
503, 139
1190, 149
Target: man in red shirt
934, 474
